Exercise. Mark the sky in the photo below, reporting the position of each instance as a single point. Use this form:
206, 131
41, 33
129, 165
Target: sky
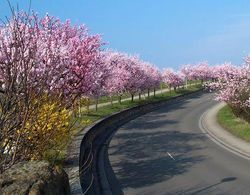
167, 33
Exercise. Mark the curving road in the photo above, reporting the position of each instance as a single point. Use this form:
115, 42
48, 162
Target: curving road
165, 152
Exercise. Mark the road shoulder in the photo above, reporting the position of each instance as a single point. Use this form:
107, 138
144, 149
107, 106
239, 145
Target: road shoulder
209, 125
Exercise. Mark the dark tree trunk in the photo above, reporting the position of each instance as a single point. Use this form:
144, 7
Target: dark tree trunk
96, 104
111, 100
120, 99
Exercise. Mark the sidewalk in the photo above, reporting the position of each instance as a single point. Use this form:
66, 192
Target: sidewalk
209, 125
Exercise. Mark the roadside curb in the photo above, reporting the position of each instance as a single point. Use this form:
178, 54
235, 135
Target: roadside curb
209, 125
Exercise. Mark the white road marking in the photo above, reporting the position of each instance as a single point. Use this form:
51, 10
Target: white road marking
171, 156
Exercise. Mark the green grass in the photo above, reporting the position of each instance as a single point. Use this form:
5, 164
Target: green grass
234, 125
104, 111
104, 99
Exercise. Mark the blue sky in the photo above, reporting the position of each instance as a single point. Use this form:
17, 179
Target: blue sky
168, 33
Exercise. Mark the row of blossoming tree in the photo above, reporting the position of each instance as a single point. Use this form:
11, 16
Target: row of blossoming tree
233, 86
47, 66
231, 82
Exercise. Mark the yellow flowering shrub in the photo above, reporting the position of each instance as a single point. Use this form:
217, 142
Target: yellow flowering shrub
47, 127
44, 126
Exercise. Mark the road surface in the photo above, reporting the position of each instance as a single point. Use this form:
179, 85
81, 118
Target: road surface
165, 152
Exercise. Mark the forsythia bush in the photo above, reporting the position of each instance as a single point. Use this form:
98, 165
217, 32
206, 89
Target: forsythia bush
43, 130
46, 126
49, 127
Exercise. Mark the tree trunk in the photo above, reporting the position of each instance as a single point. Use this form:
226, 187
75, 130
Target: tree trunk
88, 108
111, 100
74, 107
80, 113
148, 93
120, 99
139, 96
132, 97
96, 104
154, 92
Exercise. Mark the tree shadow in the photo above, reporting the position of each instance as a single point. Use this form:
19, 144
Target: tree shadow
151, 149
146, 157
205, 189
150, 154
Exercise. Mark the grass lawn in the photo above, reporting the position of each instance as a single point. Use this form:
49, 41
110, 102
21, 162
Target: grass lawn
234, 125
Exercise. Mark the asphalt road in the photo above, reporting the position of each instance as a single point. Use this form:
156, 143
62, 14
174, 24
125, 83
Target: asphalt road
165, 152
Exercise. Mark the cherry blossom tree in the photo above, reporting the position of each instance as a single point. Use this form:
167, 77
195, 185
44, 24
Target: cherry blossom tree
172, 79
201, 71
136, 76
70, 58
152, 78
130, 74
233, 87
119, 74
223, 70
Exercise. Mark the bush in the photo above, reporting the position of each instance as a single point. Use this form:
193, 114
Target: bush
46, 126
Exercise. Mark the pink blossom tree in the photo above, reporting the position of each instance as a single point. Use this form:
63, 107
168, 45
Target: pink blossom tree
136, 76
119, 74
233, 87
129, 74
70, 58
200, 71
152, 78
172, 79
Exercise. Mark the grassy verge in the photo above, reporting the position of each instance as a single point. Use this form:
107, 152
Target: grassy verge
105, 99
234, 125
104, 111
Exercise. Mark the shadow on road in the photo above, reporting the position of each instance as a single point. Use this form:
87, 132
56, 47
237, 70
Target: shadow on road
205, 190
224, 180
145, 149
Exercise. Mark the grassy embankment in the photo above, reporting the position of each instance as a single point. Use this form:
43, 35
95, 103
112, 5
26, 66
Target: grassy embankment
234, 125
